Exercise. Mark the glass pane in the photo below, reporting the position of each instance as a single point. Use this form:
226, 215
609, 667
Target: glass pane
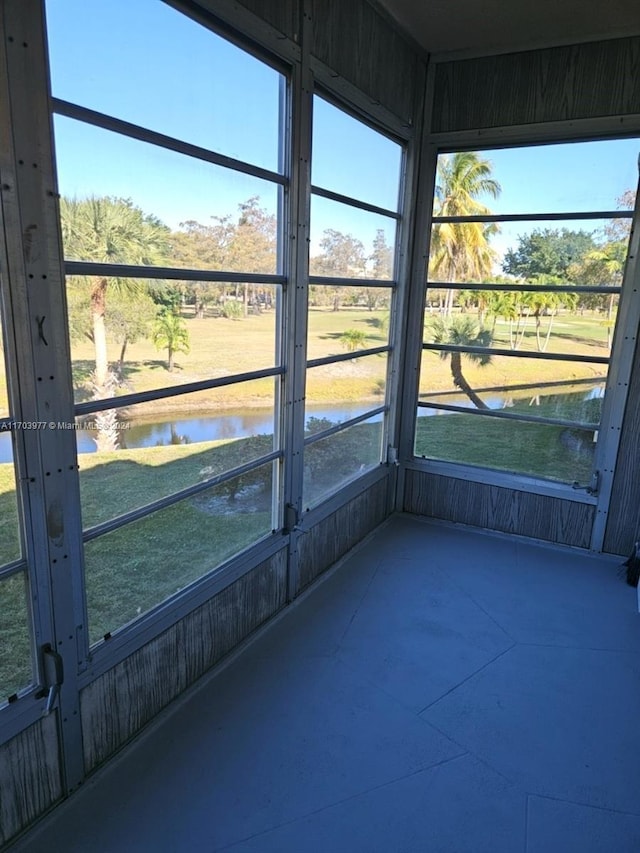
344, 319
170, 444
347, 388
332, 462
547, 322
350, 243
131, 335
10, 544
138, 566
540, 450
352, 159
554, 389
550, 178
15, 649
125, 201
172, 75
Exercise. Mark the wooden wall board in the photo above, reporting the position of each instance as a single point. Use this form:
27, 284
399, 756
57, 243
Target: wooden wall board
120, 702
623, 521
557, 84
281, 14
30, 779
331, 538
356, 42
497, 508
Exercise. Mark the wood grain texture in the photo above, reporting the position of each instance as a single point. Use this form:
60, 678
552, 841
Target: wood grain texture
497, 508
281, 14
354, 40
623, 522
332, 537
30, 781
120, 702
556, 84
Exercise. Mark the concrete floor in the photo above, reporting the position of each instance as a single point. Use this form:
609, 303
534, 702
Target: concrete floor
443, 690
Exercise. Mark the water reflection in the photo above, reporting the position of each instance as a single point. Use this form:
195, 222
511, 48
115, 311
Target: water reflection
577, 402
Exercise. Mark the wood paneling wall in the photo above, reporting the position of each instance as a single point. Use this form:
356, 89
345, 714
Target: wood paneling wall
497, 508
30, 781
120, 702
356, 42
623, 521
561, 83
281, 14
329, 539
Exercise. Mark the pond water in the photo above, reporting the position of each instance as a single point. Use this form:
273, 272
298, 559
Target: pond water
206, 426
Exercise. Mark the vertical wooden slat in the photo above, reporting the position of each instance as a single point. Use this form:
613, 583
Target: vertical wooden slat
30, 781
331, 538
281, 14
354, 40
563, 83
623, 523
498, 508
120, 702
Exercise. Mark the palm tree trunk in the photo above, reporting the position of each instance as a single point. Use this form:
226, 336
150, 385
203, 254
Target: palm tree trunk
98, 308
460, 382
123, 351
170, 358
548, 335
538, 324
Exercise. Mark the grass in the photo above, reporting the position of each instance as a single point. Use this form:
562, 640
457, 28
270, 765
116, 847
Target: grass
136, 567
539, 450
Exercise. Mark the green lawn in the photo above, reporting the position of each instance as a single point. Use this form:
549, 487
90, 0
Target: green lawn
138, 566
221, 347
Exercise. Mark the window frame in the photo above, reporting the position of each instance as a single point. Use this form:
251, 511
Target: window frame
593, 492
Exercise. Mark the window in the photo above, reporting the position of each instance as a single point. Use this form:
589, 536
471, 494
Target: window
521, 302
354, 218
16, 656
172, 187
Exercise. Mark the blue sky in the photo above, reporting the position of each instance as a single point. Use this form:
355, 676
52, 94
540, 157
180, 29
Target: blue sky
144, 62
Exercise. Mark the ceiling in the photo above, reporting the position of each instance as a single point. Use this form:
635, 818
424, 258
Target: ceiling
490, 26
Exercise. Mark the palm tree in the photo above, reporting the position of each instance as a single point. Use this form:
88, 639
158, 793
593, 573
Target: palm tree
170, 333
462, 331
110, 230
353, 339
460, 251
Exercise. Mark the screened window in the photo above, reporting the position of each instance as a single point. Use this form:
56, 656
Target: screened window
172, 189
16, 656
525, 272
354, 221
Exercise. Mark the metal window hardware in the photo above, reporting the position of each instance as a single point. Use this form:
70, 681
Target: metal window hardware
592, 486
291, 518
53, 673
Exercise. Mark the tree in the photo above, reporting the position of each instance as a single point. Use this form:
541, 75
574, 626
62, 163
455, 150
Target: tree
462, 331
381, 260
547, 252
508, 306
353, 339
198, 246
110, 230
460, 251
170, 333
603, 266
545, 303
246, 245
129, 319
342, 257
620, 229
